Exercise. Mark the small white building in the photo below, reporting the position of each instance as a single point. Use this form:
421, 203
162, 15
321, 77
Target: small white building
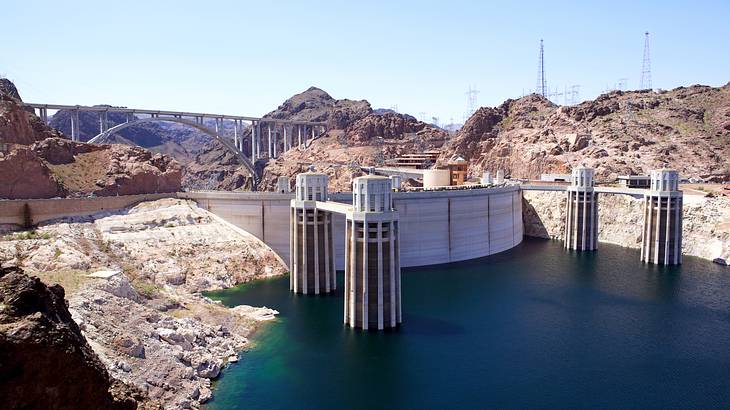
555, 177
634, 181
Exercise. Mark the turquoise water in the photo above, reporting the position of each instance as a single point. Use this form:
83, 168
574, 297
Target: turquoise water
535, 327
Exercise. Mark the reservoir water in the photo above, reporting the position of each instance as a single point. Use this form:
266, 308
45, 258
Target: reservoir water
533, 327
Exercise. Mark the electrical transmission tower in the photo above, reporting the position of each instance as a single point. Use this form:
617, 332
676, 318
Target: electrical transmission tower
572, 94
645, 83
541, 83
471, 102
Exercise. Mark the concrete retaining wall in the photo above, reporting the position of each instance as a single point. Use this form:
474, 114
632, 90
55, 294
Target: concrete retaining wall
41, 210
263, 214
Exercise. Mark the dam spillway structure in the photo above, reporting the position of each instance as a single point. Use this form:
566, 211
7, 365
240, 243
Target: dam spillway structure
662, 234
372, 262
312, 254
581, 216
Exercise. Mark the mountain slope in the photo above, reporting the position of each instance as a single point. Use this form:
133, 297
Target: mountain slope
687, 128
19, 125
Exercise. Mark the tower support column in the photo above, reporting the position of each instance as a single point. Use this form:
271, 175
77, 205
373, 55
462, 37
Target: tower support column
311, 259
581, 216
372, 270
662, 233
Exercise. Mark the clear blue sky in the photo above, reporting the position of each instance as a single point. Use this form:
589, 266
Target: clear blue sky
247, 57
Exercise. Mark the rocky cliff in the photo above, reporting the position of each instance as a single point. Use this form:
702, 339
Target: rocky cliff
206, 163
216, 168
58, 167
705, 226
41, 163
133, 279
316, 105
45, 361
687, 128
368, 141
19, 125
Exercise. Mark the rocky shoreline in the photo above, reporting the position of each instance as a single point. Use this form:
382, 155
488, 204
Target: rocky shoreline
133, 281
705, 228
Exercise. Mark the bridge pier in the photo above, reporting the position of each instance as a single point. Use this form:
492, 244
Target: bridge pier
372, 262
581, 217
75, 125
103, 122
253, 141
661, 242
235, 134
43, 113
286, 139
312, 252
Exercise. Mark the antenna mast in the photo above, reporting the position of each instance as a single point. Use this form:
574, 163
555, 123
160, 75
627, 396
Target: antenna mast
541, 83
645, 83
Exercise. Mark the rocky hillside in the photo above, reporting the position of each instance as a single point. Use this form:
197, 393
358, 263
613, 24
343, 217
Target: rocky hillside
37, 161
58, 167
133, 280
705, 224
206, 163
687, 128
46, 362
19, 125
361, 140
315, 104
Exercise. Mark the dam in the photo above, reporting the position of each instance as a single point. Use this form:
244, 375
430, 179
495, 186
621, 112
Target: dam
435, 226
376, 230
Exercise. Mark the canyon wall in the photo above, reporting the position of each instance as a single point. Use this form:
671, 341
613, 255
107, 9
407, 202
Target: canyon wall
705, 227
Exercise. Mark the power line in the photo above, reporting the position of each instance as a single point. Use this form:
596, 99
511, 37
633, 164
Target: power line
645, 83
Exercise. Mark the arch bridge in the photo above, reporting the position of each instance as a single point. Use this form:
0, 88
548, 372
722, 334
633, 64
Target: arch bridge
253, 138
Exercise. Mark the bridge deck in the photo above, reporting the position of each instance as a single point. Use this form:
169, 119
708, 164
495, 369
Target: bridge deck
335, 207
601, 190
169, 113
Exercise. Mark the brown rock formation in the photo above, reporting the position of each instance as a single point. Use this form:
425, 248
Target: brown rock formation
45, 361
316, 105
369, 141
59, 167
26, 175
19, 125
617, 133
215, 167
54, 166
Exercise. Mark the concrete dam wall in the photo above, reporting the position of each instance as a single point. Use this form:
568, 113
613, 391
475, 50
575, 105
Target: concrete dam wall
435, 227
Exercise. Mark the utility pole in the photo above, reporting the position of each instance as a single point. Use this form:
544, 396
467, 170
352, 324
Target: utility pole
645, 83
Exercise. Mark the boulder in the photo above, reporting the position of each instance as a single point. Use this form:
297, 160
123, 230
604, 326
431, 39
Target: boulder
45, 360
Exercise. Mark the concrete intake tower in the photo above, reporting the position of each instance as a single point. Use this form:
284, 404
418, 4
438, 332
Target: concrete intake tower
372, 262
312, 252
662, 234
581, 216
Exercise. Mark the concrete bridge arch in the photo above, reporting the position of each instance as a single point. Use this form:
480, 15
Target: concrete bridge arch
104, 136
